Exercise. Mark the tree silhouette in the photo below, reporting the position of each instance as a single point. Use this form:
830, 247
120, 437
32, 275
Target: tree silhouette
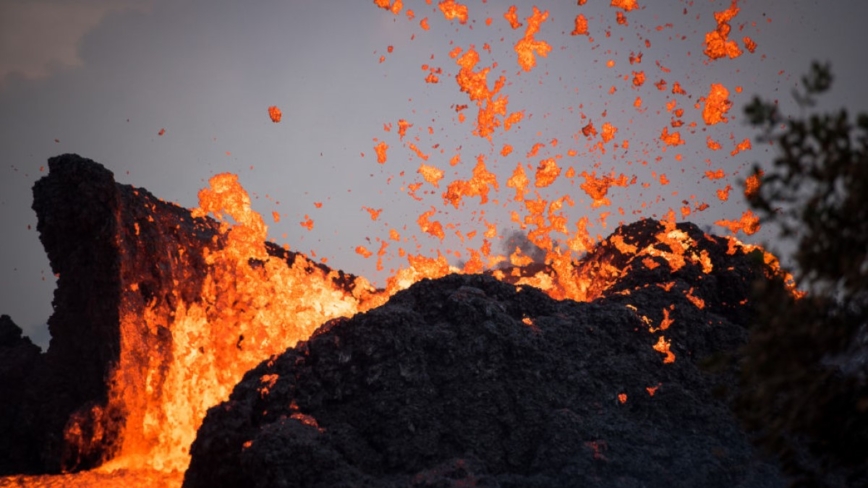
804, 387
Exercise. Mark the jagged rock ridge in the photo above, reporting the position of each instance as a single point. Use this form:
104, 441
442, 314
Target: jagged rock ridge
470, 381
546, 375
116, 250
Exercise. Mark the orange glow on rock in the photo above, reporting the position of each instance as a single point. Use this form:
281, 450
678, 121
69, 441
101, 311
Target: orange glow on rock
662, 346
666, 322
242, 314
240, 297
698, 302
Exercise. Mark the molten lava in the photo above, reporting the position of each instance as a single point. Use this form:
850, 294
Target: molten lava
256, 300
251, 305
274, 114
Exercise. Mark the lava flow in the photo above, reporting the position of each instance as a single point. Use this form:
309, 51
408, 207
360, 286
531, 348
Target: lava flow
187, 342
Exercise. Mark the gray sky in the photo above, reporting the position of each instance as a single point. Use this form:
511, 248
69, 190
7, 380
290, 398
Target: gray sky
101, 78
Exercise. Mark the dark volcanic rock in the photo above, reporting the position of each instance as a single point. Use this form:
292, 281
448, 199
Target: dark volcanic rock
469, 381
116, 250
465, 380
18, 358
100, 237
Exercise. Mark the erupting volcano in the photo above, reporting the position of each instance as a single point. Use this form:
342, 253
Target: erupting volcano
183, 338
160, 311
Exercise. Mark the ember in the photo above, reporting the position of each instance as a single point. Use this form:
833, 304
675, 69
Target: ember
274, 114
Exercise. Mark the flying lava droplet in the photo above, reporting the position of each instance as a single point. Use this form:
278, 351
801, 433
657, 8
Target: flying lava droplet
274, 113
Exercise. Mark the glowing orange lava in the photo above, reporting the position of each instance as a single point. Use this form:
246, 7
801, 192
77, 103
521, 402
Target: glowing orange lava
528, 45
512, 17
381, 149
748, 223
581, 26
625, 4
254, 304
274, 114
453, 10
546, 173
752, 184
717, 104
243, 313
662, 346
717, 42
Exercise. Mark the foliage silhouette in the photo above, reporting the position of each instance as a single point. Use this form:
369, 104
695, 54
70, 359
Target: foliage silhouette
804, 387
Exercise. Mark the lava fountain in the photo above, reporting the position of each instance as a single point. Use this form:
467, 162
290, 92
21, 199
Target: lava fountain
203, 297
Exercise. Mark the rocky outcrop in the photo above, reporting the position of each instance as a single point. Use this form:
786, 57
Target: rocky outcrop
125, 260
460, 380
19, 357
470, 381
100, 237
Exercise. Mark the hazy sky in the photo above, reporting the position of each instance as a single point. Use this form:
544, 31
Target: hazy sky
101, 78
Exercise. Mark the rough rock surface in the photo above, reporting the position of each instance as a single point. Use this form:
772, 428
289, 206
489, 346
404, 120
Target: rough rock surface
115, 249
470, 381
462, 380
99, 236
18, 358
